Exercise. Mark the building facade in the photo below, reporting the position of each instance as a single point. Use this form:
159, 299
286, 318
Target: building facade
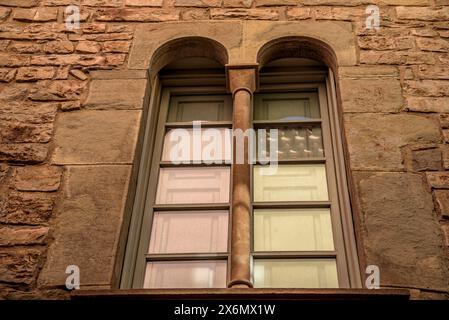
94, 92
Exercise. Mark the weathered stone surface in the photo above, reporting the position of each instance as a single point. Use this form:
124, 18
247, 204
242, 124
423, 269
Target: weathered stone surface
88, 47
426, 44
19, 265
420, 13
87, 228
63, 90
119, 74
76, 60
59, 47
445, 155
137, 14
7, 75
267, 3
87, 137
78, 74
445, 228
103, 36
25, 47
368, 72
12, 236
33, 208
400, 231
423, 158
386, 43
17, 132
4, 13
13, 60
395, 57
298, 13
198, 3
34, 73
37, 178
374, 140
195, 14
433, 72
371, 95
103, 3
23, 152
116, 94
429, 88
44, 14
19, 3
93, 27
251, 14
438, 180
339, 13
428, 104
116, 46
442, 200
237, 3
30, 113
144, 3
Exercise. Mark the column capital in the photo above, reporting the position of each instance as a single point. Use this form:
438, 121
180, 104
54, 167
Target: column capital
242, 77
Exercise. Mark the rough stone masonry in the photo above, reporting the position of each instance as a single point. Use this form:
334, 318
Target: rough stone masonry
68, 133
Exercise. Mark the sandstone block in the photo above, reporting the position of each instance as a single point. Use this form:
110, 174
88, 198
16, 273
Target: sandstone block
35, 73
87, 229
31, 208
19, 265
11, 236
23, 152
87, 137
37, 178
375, 140
371, 95
401, 233
116, 94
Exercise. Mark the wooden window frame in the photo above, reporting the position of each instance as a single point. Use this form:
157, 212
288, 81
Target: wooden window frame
133, 270
338, 203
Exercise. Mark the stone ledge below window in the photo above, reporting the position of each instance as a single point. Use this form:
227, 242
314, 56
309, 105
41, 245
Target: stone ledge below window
243, 294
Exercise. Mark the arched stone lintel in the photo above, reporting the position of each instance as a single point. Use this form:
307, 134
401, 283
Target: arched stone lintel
241, 41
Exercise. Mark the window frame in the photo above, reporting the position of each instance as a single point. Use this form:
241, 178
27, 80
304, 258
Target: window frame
132, 275
156, 163
339, 252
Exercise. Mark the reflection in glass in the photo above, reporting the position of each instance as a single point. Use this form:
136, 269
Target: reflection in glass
287, 106
306, 182
189, 232
214, 144
297, 143
193, 185
292, 230
186, 274
295, 273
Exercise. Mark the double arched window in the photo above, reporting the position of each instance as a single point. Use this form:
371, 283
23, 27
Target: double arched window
242, 180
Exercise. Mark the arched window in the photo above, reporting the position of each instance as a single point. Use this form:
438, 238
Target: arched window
203, 220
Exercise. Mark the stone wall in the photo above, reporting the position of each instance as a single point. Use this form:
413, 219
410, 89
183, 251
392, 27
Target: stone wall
68, 134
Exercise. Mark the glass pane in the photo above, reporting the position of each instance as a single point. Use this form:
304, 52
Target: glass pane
189, 232
292, 230
201, 108
295, 273
186, 274
295, 143
193, 185
214, 145
287, 106
291, 183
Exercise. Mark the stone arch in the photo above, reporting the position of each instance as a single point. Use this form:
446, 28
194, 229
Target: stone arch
297, 47
187, 47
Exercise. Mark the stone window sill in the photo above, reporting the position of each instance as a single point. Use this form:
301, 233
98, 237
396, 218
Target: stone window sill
243, 294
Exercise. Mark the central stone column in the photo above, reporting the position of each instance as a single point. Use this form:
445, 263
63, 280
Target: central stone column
242, 84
